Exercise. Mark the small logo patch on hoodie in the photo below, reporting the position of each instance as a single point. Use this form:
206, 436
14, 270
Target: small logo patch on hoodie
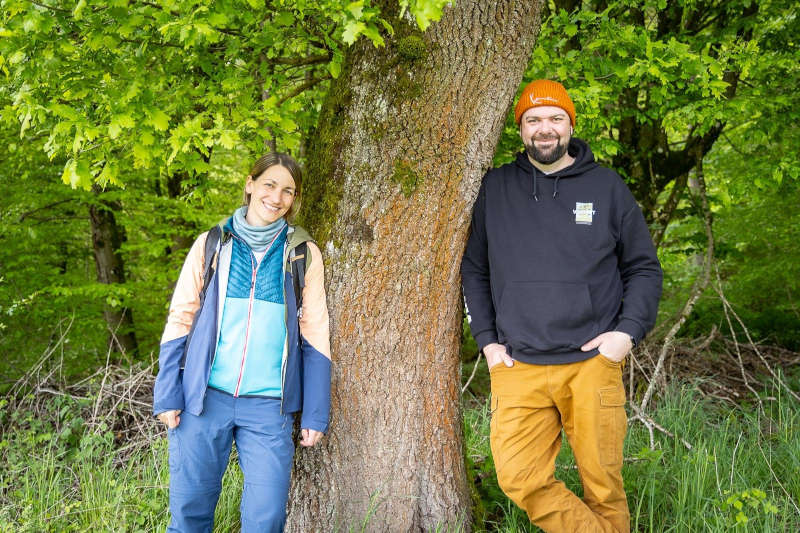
583, 213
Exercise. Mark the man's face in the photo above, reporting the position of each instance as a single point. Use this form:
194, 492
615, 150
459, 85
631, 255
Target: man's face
545, 132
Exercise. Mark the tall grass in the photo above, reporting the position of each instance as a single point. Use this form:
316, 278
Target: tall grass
742, 473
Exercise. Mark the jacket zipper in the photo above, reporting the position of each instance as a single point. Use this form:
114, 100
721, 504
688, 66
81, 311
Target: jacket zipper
247, 329
284, 360
254, 269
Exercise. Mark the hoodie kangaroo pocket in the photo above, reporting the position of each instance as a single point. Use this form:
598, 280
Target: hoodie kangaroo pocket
546, 316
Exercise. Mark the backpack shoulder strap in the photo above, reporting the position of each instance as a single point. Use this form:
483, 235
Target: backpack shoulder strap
215, 234
298, 257
212, 240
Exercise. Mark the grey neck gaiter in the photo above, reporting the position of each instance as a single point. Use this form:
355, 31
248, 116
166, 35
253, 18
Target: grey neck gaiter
256, 237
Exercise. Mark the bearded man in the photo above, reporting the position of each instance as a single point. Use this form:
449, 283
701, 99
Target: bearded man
561, 280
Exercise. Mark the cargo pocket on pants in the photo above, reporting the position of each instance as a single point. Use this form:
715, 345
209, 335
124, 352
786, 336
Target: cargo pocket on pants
613, 424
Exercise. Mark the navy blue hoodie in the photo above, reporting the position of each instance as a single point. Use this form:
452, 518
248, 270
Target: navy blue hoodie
554, 260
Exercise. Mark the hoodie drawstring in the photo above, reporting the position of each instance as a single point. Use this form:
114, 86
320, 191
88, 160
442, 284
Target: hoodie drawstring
534, 181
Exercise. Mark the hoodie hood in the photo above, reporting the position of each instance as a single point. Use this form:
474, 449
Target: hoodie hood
584, 162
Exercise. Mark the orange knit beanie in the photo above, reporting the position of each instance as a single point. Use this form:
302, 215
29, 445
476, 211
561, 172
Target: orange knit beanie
541, 93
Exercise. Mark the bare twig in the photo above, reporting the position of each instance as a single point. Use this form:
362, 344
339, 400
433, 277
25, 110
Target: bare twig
33, 373
707, 342
729, 307
474, 369
650, 424
736, 342
102, 385
60, 393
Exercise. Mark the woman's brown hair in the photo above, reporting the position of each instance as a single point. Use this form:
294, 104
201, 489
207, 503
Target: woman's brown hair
286, 161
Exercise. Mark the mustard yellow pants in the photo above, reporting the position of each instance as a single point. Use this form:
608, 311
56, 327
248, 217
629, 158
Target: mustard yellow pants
530, 405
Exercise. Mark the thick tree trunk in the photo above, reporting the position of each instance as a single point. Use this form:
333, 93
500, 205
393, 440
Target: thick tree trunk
107, 238
404, 137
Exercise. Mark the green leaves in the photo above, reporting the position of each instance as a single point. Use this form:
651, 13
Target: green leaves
118, 123
158, 119
76, 174
750, 501
425, 11
149, 85
360, 18
352, 30
335, 66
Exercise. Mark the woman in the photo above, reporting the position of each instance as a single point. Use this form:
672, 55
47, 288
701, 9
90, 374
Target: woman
239, 358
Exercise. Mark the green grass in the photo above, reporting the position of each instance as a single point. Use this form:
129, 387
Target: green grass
58, 477
742, 474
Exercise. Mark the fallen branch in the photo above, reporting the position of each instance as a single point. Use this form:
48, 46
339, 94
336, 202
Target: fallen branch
649, 423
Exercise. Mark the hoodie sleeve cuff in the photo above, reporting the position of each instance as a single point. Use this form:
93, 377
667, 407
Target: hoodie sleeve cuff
168, 404
485, 338
315, 424
632, 328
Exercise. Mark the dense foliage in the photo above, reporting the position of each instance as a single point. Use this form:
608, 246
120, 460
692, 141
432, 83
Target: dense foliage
151, 112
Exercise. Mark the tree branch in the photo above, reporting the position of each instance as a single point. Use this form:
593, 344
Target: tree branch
26, 214
299, 61
156, 6
137, 41
51, 8
665, 215
303, 87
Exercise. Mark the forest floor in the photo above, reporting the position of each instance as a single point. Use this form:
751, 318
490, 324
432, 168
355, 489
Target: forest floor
718, 448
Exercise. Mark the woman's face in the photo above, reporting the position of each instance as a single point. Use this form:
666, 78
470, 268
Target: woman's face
271, 195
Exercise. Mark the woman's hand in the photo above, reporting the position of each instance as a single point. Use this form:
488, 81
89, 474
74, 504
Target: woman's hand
170, 418
310, 437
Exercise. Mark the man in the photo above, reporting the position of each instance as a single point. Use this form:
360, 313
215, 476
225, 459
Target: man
561, 279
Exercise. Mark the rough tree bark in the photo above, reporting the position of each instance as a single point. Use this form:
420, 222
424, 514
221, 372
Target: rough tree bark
107, 238
403, 139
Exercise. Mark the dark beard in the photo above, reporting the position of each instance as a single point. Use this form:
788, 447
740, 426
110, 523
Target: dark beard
549, 157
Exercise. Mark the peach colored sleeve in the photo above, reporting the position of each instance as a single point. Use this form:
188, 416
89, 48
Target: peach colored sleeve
314, 322
186, 297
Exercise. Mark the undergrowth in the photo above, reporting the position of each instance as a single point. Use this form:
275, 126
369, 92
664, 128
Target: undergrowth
741, 474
